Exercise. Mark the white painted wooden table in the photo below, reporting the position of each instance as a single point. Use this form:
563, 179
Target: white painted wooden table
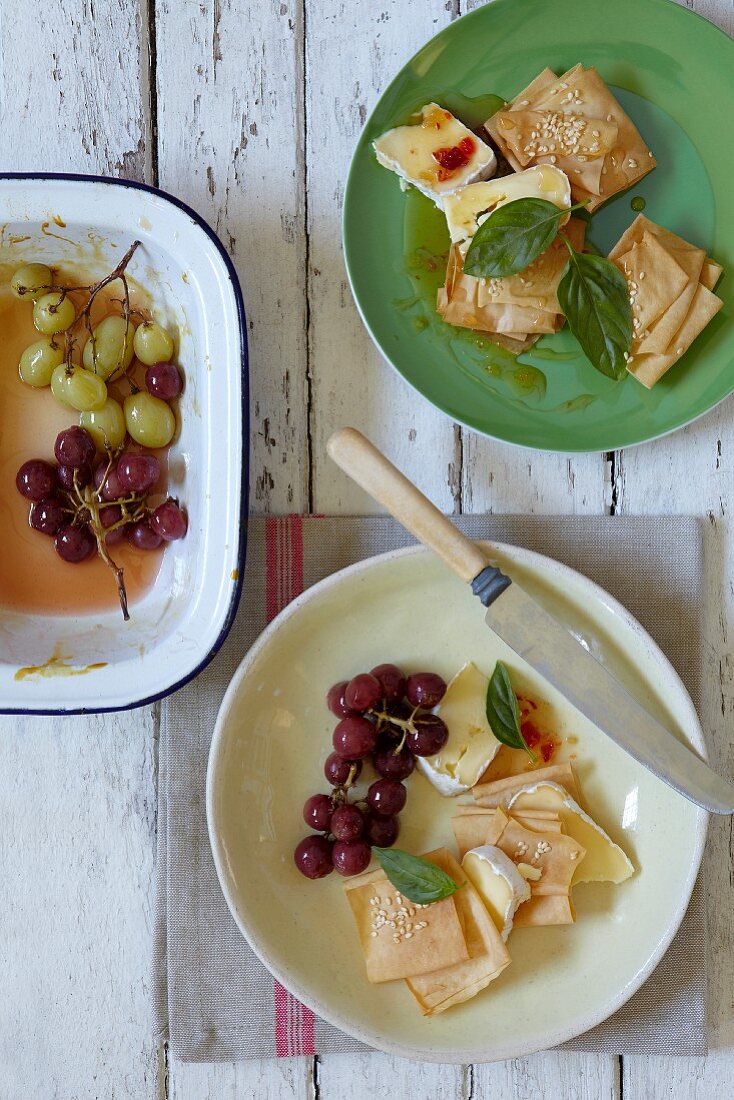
248, 109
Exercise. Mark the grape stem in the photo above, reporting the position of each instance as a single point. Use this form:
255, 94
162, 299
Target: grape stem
85, 314
86, 504
407, 725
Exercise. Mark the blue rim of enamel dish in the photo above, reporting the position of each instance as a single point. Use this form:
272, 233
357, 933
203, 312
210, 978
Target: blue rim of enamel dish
245, 426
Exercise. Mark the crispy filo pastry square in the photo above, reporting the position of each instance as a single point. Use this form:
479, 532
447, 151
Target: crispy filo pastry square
488, 955
555, 855
500, 791
399, 938
574, 122
471, 825
518, 306
670, 283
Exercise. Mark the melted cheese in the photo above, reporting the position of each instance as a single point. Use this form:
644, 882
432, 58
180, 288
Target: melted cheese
604, 860
468, 208
499, 884
471, 744
409, 152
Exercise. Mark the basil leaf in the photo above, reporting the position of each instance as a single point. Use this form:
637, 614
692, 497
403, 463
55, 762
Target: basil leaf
417, 879
512, 237
503, 712
593, 295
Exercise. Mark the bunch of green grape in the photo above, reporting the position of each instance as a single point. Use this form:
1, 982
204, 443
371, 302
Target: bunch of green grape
114, 342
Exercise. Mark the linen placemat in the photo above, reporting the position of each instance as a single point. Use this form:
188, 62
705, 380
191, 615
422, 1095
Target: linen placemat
215, 1001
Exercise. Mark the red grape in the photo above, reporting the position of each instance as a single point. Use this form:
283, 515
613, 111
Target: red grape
74, 544
47, 516
168, 521
362, 692
335, 700
138, 473
113, 488
337, 771
393, 765
347, 822
354, 738
313, 856
142, 535
65, 475
351, 857
36, 479
317, 812
74, 446
382, 831
425, 689
430, 736
386, 797
391, 680
163, 380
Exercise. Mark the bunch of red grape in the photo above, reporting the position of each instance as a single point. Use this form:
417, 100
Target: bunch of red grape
86, 496
384, 718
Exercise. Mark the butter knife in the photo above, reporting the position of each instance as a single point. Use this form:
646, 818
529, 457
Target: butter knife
532, 633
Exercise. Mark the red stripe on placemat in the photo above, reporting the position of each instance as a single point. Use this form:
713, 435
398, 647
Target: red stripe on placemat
294, 1023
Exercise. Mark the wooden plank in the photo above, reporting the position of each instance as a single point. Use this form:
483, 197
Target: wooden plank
230, 129
552, 1076
77, 817
74, 88
366, 1076
352, 51
269, 1079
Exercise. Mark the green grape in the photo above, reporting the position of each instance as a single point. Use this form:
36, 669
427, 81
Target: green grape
153, 344
39, 361
31, 280
149, 420
111, 353
106, 425
78, 388
53, 313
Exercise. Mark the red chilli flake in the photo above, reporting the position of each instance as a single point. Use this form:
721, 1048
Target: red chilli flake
454, 157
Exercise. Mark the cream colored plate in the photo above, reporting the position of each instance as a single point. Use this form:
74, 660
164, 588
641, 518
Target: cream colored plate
273, 734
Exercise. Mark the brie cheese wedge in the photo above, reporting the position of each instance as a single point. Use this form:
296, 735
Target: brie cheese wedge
499, 884
437, 154
468, 208
471, 744
604, 860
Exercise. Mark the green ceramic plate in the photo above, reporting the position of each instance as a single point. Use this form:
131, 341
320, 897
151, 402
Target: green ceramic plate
672, 72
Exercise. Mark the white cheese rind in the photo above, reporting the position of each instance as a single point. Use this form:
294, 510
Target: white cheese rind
600, 848
408, 151
499, 883
467, 208
471, 745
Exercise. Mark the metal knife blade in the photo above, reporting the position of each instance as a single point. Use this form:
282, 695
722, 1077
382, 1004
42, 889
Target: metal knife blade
554, 653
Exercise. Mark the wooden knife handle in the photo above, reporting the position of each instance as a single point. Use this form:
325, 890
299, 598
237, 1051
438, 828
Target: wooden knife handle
377, 476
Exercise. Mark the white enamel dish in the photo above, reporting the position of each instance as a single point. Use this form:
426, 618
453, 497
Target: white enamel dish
184, 617
273, 734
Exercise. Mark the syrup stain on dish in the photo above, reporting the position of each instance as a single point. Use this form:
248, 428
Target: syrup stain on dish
57, 665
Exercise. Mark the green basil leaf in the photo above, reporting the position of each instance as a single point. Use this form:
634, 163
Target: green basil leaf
593, 295
512, 237
503, 712
416, 879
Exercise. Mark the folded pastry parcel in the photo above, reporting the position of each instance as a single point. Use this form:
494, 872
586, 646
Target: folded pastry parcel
670, 283
446, 951
574, 122
521, 307
499, 792
399, 938
554, 855
471, 825
451, 985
